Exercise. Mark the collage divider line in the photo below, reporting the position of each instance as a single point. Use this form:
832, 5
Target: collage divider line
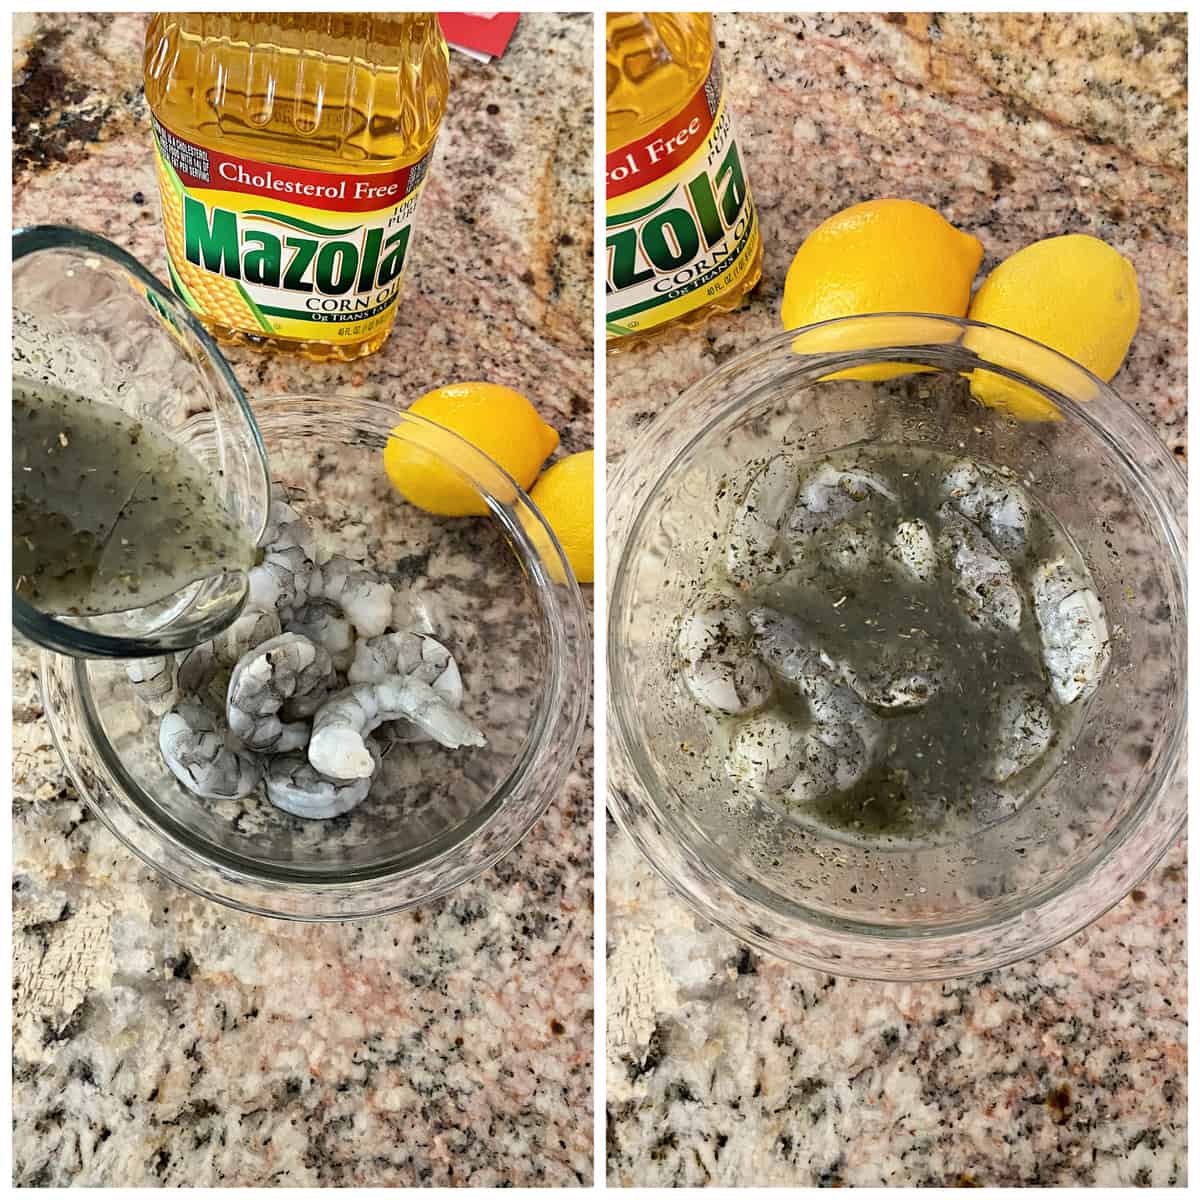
599, 622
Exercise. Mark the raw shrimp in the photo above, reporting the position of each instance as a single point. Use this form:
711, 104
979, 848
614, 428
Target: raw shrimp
1023, 731
772, 754
898, 680
410, 654
362, 596
281, 580
719, 667
1074, 632
202, 666
279, 670
992, 501
341, 724
415, 655
985, 579
829, 495
285, 526
912, 550
841, 722
251, 629
297, 787
850, 546
750, 549
196, 747
321, 621
154, 681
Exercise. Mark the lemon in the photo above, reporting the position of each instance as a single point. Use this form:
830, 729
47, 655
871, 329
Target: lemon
421, 463
1075, 294
565, 495
880, 256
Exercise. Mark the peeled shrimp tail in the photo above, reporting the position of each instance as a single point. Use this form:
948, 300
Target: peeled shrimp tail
194, 746
340, 726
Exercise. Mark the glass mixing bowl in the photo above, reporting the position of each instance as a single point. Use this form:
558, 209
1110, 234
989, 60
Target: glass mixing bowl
495, 589
1117, 799
89, 318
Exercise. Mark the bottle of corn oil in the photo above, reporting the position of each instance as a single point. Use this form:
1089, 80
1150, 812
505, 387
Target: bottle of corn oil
682, 238
292, 151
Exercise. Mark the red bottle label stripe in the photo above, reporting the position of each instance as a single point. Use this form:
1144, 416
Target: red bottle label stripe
638, 163
327, 191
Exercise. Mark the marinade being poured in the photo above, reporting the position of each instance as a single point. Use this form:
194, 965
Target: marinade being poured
109, 514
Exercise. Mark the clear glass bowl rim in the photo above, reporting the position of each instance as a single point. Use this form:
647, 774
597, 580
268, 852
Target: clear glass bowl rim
555, 736
855, 948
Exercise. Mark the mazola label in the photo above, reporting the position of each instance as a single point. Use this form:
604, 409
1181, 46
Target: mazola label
681, 224
285, 251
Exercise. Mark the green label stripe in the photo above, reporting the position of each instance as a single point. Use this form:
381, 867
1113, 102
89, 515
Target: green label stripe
180, 290
627, 218
330, 318
297, 223
698, 282
615, 329
258, 312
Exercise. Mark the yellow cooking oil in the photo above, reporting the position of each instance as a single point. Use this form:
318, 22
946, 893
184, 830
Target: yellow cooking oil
682, 239
292, 152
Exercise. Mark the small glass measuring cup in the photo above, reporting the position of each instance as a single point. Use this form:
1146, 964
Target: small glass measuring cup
89, 318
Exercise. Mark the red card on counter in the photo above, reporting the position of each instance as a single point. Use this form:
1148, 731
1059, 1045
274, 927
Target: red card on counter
481, 35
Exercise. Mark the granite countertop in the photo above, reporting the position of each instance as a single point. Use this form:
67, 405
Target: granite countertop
726, 1067
163, 1040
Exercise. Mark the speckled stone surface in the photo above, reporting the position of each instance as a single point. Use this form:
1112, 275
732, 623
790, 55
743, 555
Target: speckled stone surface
726, 1067
163, 1040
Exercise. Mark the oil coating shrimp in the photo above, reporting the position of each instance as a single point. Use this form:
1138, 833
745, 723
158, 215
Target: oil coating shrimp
831, 494
196, 747
772, 754
268, 677
321, 621
984, 580
897, 680
750, 544
361, 595
297, 787
341, 724
1022, 733
841, 744
1074, 632
719, 667
154, 681
991, 500
851, 546
913, 551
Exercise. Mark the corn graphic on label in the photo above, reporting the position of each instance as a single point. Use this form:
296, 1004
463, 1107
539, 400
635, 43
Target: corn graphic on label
681, 223
285, 251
